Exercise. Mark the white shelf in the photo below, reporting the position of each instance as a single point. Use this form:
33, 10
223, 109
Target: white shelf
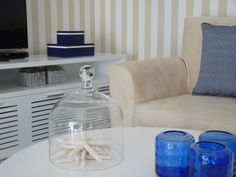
43, 60
13, 90
9, 86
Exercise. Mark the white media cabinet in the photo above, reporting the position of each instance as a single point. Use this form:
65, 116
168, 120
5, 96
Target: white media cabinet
24, 111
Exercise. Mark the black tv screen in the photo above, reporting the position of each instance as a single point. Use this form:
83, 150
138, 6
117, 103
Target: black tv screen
13, 24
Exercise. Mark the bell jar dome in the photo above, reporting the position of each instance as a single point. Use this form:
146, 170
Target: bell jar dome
86, 129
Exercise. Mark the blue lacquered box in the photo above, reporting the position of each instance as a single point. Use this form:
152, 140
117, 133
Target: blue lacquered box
56, 50
70, 38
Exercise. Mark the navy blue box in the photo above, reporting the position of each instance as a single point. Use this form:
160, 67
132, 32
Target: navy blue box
70, 38
56, 50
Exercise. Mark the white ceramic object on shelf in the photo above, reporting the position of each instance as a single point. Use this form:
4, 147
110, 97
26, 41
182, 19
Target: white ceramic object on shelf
32, 79
53, 77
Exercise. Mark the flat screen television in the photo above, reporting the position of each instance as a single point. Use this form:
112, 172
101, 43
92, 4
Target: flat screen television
13, 24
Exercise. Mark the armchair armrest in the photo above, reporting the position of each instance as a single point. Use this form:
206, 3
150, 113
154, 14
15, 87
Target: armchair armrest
141, 81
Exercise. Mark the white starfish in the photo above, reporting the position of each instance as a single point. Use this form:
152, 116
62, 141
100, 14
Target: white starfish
79, 151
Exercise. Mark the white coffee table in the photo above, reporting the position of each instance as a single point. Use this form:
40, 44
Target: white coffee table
138, 159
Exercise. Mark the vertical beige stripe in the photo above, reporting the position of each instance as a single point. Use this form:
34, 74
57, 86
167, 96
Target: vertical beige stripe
161, 6
148, 4
189, 8
48, 21
92, 21
102, 23
135, 29
205, 7
174, 30
124, 26
82, 14
35, 26
222, 8
59, 15
71, 15
113, 26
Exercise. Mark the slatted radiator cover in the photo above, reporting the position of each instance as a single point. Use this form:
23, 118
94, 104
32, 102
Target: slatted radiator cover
41, 110
9, 129
104, 89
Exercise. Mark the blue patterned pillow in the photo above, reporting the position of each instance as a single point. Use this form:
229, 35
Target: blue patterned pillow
218, 63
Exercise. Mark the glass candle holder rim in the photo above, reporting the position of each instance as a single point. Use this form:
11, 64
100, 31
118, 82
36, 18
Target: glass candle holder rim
184, 138
233, 136
196, 145
206, 162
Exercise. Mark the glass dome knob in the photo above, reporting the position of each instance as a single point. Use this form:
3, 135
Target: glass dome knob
87, 74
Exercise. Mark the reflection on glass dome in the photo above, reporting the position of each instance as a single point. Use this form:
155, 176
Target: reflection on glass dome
86, 130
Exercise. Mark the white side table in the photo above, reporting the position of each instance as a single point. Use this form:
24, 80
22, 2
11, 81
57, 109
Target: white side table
138, 160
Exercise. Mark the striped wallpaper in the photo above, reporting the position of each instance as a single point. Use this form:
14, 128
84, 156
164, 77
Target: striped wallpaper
141, 28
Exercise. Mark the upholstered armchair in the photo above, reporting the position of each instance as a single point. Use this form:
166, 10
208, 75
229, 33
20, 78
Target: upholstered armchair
158, 92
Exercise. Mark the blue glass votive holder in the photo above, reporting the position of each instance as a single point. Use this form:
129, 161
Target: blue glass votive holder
226, 138
210, 159
171, 156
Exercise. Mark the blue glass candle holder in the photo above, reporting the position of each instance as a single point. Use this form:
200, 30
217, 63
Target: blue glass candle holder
226, 138
210, 159
171, 158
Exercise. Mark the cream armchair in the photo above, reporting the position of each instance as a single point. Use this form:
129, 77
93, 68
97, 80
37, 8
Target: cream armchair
158, 92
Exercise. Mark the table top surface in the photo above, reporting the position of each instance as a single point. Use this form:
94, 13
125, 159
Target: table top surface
139, 155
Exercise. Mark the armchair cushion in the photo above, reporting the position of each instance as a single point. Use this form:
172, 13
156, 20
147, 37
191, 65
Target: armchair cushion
187, 111
218, 63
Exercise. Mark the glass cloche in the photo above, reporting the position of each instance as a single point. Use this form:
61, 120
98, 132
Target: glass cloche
86, 130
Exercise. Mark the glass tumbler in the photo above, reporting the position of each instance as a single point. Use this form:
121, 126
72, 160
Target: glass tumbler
171, 156
210, 159
226, 138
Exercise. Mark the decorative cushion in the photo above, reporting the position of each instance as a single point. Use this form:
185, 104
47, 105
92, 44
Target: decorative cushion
218, 63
